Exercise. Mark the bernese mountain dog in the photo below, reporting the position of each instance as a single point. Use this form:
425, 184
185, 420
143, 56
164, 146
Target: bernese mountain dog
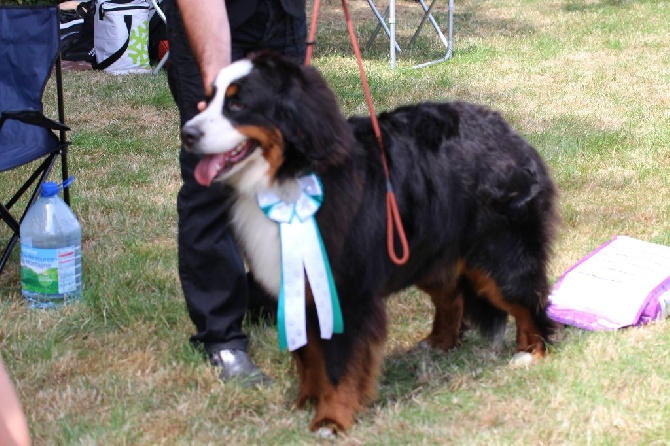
476, 202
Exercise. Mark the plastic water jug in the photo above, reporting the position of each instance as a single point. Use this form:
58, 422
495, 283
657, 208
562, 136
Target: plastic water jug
50, 251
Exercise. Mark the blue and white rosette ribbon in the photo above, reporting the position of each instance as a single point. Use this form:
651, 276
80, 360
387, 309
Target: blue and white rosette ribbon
302, 251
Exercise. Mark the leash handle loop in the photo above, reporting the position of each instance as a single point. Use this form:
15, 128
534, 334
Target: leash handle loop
392, 221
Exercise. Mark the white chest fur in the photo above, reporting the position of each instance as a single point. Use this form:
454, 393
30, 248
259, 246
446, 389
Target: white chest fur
258, 237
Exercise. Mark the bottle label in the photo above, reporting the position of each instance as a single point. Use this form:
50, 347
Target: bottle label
48, 271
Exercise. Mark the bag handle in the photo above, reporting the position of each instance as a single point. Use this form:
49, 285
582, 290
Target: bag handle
128, 19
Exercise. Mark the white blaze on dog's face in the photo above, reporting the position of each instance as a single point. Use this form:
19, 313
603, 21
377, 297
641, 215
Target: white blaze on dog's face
216, 132
228, 144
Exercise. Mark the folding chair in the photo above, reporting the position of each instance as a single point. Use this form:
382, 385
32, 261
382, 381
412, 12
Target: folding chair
427, 15
29, 50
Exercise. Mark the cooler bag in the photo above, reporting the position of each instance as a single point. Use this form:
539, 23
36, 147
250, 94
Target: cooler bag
121, 36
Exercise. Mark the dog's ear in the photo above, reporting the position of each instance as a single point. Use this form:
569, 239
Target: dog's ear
316, 127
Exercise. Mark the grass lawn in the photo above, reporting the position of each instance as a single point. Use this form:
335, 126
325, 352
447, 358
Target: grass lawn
585, 81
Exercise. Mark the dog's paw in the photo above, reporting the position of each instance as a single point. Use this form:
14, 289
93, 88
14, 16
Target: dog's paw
521, 359
326, 433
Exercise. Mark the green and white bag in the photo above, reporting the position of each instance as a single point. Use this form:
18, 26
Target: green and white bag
121, 36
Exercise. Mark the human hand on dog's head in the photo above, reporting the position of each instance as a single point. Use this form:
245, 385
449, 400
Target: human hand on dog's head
209, 92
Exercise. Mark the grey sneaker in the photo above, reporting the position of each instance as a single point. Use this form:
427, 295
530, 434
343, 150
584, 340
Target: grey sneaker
235, 364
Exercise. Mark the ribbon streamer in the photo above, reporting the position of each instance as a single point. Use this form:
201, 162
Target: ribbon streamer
302, 251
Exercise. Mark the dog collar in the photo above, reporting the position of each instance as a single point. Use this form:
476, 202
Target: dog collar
302, 251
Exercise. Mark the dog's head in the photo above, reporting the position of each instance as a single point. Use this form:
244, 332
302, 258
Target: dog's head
268, 119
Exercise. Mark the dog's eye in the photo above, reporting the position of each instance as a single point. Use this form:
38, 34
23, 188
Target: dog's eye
233, 105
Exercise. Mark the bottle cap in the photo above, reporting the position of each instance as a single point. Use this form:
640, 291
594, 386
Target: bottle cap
49, 189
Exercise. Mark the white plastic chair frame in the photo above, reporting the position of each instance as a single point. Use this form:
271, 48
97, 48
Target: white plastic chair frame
428, 15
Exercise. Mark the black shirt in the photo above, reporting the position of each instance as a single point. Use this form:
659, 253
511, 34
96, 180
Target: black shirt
241, 10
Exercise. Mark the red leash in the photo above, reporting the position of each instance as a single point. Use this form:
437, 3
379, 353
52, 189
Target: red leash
392, 214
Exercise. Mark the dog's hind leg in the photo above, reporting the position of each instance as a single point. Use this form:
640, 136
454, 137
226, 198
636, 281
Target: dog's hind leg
478, 313
448, 318
531, 323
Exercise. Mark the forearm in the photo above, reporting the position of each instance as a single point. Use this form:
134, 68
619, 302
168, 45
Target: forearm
13, 426
208, 31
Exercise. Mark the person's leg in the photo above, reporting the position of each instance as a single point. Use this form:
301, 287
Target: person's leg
211, 270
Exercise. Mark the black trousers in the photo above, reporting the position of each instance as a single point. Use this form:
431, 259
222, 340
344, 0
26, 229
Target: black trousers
213, 277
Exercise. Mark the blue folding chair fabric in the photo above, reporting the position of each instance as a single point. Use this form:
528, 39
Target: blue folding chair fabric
29, 50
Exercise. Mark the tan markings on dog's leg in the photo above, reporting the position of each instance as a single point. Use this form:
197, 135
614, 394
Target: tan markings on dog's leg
303, 379
447, 319
338, 404
448, 303
311, 370
309, 363
335, 404
368, 384
528, 336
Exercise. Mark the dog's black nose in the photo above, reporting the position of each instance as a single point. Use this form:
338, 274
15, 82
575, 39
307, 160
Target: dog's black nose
190, 135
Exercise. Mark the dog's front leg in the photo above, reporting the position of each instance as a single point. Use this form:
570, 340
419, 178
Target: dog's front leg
339, 376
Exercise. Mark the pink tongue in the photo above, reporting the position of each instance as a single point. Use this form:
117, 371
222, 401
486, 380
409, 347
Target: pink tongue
208, 167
